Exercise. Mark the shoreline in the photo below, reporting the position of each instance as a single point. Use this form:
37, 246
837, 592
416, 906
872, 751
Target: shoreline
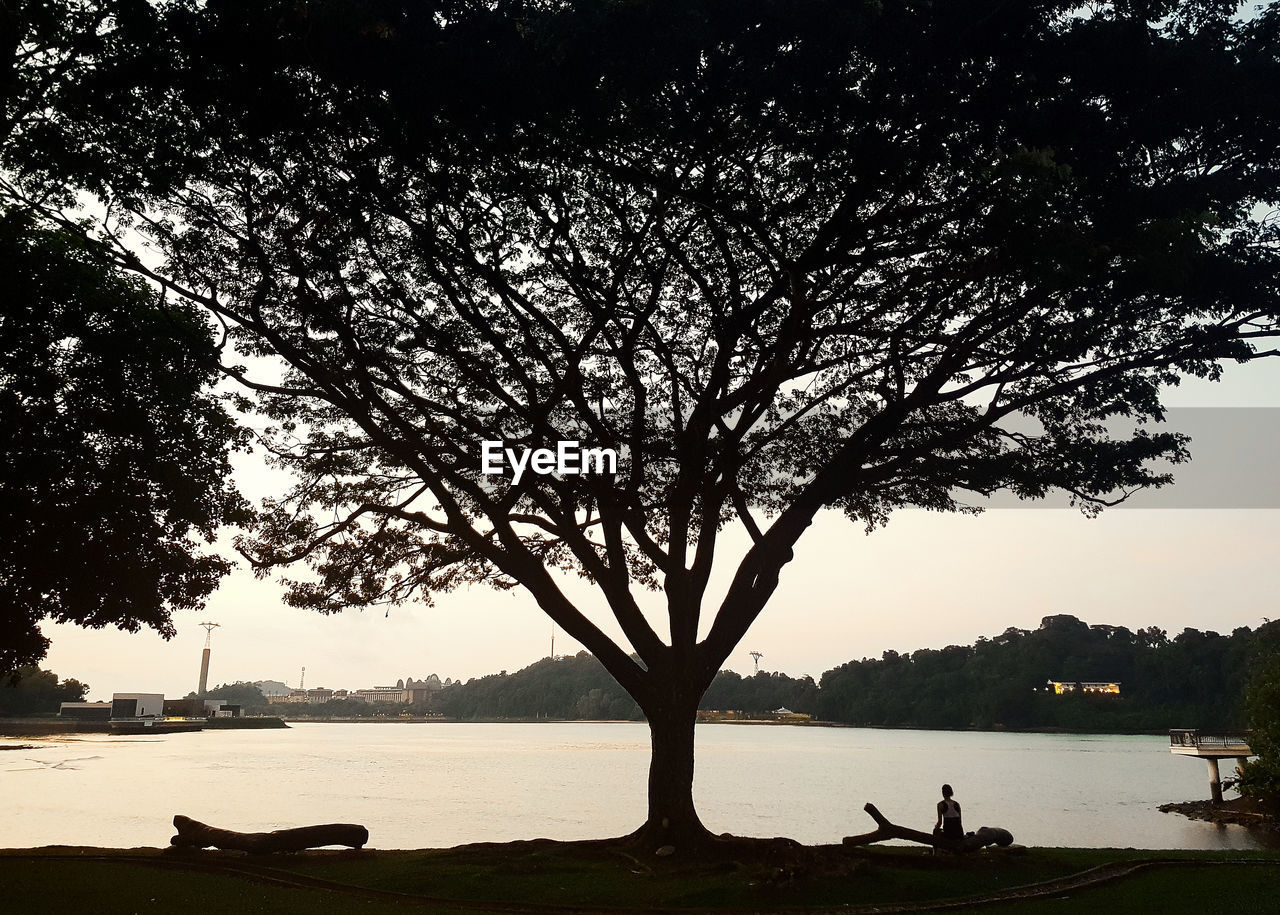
1131, 732
19, 728
1252, 813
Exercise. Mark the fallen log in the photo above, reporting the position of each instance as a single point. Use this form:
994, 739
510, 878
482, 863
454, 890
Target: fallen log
194, 834
987, 835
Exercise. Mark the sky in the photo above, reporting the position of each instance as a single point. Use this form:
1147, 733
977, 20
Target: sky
926, 580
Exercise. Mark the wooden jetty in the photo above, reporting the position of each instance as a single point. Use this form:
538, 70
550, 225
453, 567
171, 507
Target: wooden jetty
1211, 746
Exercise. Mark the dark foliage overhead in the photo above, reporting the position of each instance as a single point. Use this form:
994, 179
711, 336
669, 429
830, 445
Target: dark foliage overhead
114, 456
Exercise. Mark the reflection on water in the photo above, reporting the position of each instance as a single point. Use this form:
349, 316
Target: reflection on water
431, 785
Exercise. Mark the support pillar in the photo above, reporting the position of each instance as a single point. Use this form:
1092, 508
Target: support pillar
1215, 783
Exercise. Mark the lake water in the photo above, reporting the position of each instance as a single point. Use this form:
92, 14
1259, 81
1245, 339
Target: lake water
435, 785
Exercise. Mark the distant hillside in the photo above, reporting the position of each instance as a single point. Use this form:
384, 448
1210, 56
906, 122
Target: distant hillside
273, 687
570, 688
1195, 679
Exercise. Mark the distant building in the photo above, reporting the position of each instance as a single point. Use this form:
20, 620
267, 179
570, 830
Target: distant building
721, 715
421, 690
271, 688
380, 694
406, 691
137, 705
95, 711
1098, 687
185, 708
785, 714
317, 695
220, 708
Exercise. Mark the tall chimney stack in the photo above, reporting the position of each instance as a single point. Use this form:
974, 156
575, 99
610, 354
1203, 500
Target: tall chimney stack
204, 658
204, 673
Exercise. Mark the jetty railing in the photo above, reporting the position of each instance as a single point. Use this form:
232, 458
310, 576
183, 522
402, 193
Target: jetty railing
1195, 739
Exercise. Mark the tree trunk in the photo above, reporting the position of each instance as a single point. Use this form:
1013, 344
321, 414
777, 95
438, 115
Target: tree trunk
672, 818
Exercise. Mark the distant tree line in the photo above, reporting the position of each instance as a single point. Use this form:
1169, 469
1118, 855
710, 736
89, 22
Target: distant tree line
572, 688
575, 688
246, 695
1195, 679
32, 691
764, 692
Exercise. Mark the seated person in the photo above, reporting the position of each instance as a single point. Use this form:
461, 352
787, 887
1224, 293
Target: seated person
949, 816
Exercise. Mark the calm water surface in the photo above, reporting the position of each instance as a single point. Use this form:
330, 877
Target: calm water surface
431, 785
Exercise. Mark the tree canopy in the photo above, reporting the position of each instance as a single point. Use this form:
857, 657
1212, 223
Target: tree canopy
1260, 777
781, 257
1195, 679
245, 695
28, 690
115, 455
568, 688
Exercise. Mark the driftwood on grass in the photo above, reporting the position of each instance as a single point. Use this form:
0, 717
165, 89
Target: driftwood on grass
987, 835
194, 834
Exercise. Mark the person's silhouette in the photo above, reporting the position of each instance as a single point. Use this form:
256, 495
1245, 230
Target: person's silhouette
949, 816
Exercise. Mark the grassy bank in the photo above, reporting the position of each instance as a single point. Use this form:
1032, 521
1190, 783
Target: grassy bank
585, 877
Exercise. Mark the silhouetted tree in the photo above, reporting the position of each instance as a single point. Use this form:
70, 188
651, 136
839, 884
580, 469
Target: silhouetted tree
783, 257
29, 690
1260, 777
114, 454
